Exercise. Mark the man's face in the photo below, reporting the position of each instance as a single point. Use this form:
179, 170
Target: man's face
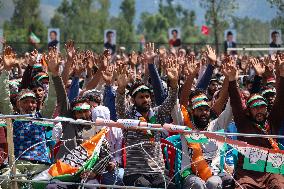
109, 37
82, 114
259, 113
52, 36
275, 37
142, 101
213, 87
270, 97
39, 92
230, 38
174, 34
201, 116
93, 104
27, 105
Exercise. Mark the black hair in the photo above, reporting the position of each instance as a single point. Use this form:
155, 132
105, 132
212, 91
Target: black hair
274, 32
196, 92
93, 97
229, 33
36, 84
174, 30
53, 31
109, 32
78, 100
135, 86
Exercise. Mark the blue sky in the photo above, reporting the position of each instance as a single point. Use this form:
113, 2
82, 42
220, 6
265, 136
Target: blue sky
259, 9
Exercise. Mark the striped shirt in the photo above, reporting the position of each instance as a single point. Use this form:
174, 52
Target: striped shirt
142, 156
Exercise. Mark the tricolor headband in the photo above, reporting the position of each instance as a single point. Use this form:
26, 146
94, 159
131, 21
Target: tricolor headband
199, 104
140, 88
256, 100
80, 107
25, 95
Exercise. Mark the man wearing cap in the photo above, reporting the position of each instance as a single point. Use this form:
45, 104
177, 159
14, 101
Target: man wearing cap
257, 120
27, 133
200, 118
144, 163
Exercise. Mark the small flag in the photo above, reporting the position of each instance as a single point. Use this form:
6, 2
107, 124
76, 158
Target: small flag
34, 39
204, 30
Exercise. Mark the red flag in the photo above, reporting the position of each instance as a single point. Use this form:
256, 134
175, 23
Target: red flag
204, 30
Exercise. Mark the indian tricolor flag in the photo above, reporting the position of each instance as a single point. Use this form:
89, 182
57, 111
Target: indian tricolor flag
70, 166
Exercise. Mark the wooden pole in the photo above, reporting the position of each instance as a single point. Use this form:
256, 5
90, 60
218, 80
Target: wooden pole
11, 154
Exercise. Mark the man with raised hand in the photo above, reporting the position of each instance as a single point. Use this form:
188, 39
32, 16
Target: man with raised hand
31, 151
255, 119
144, 162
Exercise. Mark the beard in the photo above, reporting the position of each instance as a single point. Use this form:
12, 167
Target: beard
143, 108
201, 123
260, 118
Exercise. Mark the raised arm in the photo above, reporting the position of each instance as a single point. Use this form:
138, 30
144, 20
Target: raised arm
259, 71
27, 76
122, 81
8, 61
104, 62
276, 115
218, 106
53, 67
109, 93
239, 113
167, 106
158, 88
70, 51
205, 80
191, 69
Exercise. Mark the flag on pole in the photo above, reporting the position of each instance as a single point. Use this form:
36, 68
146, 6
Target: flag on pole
205, 30
33, 38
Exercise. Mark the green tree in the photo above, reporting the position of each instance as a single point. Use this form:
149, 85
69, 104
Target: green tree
82, 21
217, 14
124, 24
25, 19
155, 26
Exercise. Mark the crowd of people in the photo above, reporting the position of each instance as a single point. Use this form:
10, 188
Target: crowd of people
234, 93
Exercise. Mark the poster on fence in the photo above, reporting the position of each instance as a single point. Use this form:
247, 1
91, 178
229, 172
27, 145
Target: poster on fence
53, 37
110, 40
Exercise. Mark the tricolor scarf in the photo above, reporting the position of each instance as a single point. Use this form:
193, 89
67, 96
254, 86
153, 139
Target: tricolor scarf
151, 119
265, 128
199, 166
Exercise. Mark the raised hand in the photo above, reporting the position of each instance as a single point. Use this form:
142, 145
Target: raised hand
230, 70
78, 66
70, 49
9, 58
211, 55
53, 61
108, 74
122, 79
191, 68
258, 66
280, 62
172, 71
149, 53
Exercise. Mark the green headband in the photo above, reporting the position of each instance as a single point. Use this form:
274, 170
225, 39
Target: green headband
82, 107
268, 91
